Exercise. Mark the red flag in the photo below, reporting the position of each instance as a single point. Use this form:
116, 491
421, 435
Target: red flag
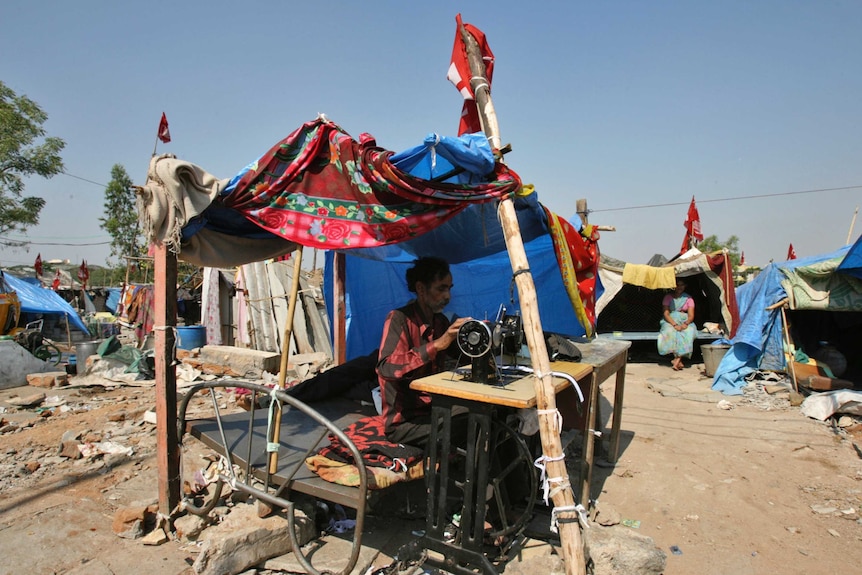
38, 265
83, 273
791, 253
164, 132
56, 283
692, 227
742, 259
459, 74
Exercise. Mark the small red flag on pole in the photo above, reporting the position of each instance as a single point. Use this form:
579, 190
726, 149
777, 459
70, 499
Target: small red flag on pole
742, 259
83, 274
164, 132
56, 283
692, 227
38, 265
791, 253
459, 74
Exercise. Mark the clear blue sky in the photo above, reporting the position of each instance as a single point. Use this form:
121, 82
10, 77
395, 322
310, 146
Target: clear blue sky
625, 104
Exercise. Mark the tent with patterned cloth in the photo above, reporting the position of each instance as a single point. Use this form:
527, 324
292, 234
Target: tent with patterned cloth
321, 188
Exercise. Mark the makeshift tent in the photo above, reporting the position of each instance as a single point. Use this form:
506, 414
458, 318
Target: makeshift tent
633, 293
825, 306
319, 187
39, 300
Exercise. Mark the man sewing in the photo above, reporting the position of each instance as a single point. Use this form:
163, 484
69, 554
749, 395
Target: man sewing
416, 342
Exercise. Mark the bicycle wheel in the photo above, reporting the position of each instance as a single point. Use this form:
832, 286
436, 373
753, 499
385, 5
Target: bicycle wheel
48, 352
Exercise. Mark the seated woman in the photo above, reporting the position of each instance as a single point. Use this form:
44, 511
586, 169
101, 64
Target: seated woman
677, 330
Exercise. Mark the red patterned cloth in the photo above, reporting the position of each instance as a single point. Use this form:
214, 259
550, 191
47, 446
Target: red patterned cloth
369, 438
578, 259
321, 188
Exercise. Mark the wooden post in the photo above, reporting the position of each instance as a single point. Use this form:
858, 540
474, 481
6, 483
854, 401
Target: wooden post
339, 314
546, 401
583, 213
167, 441
790, 355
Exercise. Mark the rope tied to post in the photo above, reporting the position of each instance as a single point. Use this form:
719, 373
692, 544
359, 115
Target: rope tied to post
580, 517
274, 407
540, 464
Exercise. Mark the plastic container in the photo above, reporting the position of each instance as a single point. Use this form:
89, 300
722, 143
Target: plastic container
191, 336
85, 349
712, 354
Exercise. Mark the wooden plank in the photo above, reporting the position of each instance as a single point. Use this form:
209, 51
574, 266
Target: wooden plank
318, 322
278, 293
518, 393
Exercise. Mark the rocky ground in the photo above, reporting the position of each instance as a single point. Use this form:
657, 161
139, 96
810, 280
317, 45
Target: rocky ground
719, 485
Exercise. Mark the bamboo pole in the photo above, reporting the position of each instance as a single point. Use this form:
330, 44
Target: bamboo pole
263, 508
852, 225
563, 496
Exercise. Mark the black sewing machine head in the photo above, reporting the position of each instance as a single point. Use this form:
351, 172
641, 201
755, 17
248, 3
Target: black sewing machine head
480, 340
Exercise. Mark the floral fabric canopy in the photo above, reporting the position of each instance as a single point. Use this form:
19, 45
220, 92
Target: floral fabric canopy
321, 188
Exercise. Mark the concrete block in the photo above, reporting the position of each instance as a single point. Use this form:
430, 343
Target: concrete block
245, 362
243, 540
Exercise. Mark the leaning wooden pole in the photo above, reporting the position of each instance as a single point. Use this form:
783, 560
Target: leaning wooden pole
264, 508
546, 401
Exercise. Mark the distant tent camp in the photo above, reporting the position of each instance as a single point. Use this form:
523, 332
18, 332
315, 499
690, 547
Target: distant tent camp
38, 300
815, 288
633, 293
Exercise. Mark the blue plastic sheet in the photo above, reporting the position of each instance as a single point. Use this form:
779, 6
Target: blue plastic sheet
758, 343
36, 299
852, 264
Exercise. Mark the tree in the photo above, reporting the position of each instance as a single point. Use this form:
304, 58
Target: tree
731, 244
21, 156
121, 215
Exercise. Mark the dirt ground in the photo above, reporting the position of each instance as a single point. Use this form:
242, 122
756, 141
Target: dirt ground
748, 486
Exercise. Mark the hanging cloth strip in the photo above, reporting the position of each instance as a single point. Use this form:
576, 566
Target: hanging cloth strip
578, 258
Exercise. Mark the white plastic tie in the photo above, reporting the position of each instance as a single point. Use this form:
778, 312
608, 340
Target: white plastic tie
274, 404
539, 463
558, 417
579, 509
434, 151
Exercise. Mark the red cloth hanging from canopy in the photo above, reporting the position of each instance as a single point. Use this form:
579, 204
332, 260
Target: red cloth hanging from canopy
321, 188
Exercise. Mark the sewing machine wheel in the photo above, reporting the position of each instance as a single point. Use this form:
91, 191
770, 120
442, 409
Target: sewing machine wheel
474, 338
513, 477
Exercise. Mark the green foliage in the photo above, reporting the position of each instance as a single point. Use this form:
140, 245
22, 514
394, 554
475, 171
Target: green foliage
712, 244
121, 216
22, 156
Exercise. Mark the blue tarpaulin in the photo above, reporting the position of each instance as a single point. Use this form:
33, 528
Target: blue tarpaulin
474, 245
36, 299
758, 343
852, 264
